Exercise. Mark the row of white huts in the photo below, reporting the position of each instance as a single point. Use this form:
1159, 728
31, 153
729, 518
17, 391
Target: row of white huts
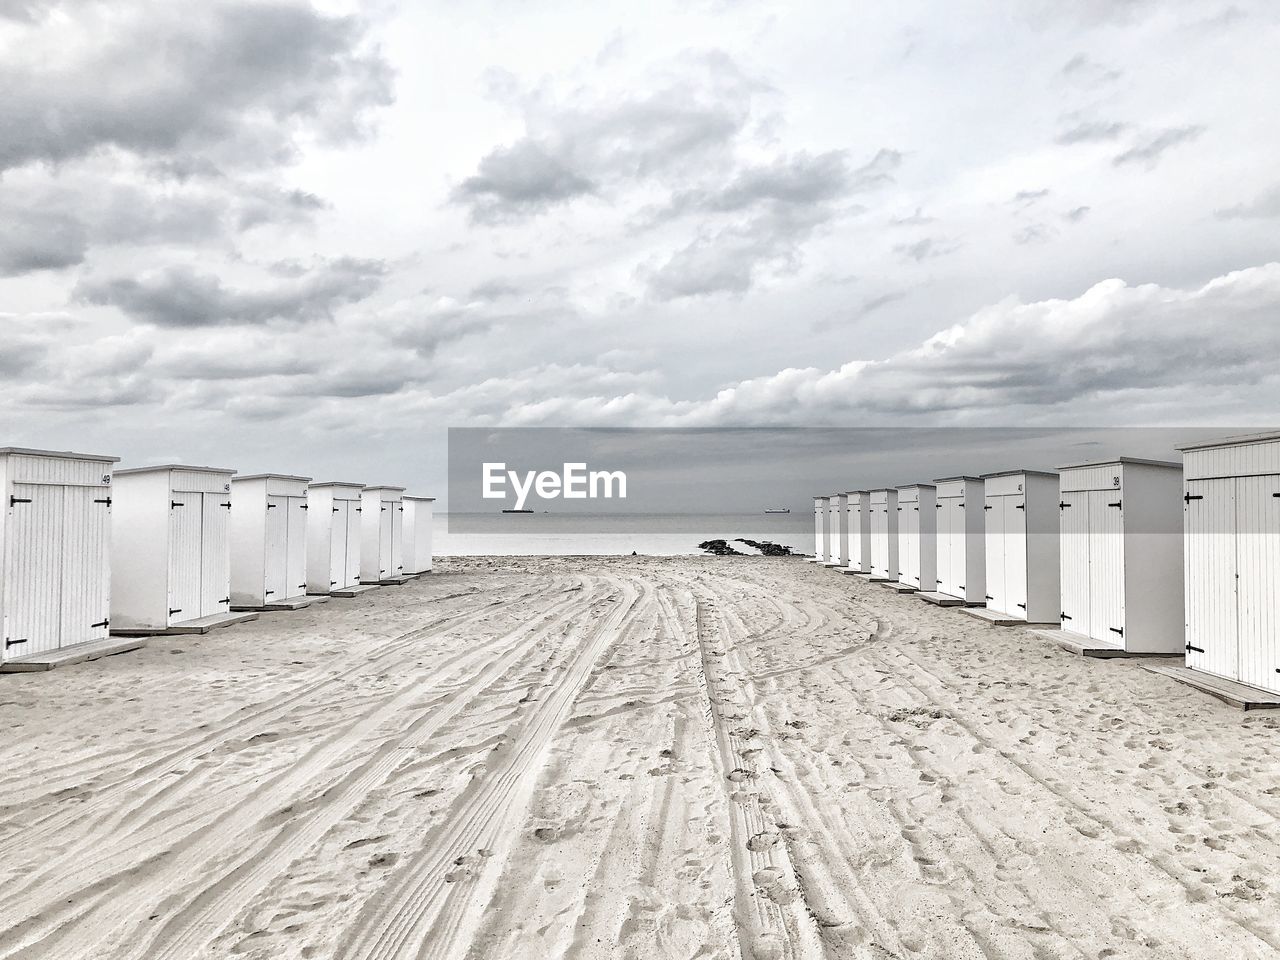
91, 552
1124, 557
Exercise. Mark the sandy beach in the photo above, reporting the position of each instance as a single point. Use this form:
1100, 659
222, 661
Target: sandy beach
640, 758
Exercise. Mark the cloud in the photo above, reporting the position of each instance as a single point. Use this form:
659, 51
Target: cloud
771, 210
1084, 70
1266, 206
1149, 151
1093, 131
917, 219
40, 240
1077, 214
234, 82
1140, 346
1026, 198
518, 181
180, 296
926, 248
53, 222
583, 145
1033, 233
873, 304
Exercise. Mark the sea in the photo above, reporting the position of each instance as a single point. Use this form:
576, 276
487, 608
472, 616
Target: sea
653, 535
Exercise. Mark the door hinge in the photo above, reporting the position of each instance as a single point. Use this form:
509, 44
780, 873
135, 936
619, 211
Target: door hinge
1019, 506
359, 509
225, 600
333, 583
1119, 630
106, 500
383, 509
988, 507
104, 623
1116, 504
12, 501
13, 643
267, 593
1191, 496
272, 506
1022, 606
302, 586
227, 505
176, 503
1062, 504
1196, 649
303, 506
335, 510
1064, 616
988, 597
175, 610
958, 586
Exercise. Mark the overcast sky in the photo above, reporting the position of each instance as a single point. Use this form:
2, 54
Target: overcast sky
309, 237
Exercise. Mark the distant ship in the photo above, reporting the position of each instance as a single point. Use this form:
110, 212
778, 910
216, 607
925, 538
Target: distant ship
778, 510
517, 511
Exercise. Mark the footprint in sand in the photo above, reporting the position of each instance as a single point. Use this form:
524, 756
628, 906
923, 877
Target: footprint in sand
762, 841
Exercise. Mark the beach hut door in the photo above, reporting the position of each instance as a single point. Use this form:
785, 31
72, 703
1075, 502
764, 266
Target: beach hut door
34, 538
1213, 625
1258, 552
185, 556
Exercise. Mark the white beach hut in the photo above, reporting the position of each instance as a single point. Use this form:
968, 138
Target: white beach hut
382, 535
1121, 558
858, 521
1231, 509
171, 550
417, 534
883, 506
1021, 549
333, 539
269, 542
961, 543
917, 538
55, 564
821, 524
839, 551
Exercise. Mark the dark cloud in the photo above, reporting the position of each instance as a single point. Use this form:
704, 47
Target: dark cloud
1149, 151
230, 80
40, 240
1093, 131
771, 211
581, 147
180, 296
53, 222
1266, 206
927, 248
518, 181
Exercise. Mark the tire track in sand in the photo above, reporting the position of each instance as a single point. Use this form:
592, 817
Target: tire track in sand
420, 913
44, 932
772, 920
